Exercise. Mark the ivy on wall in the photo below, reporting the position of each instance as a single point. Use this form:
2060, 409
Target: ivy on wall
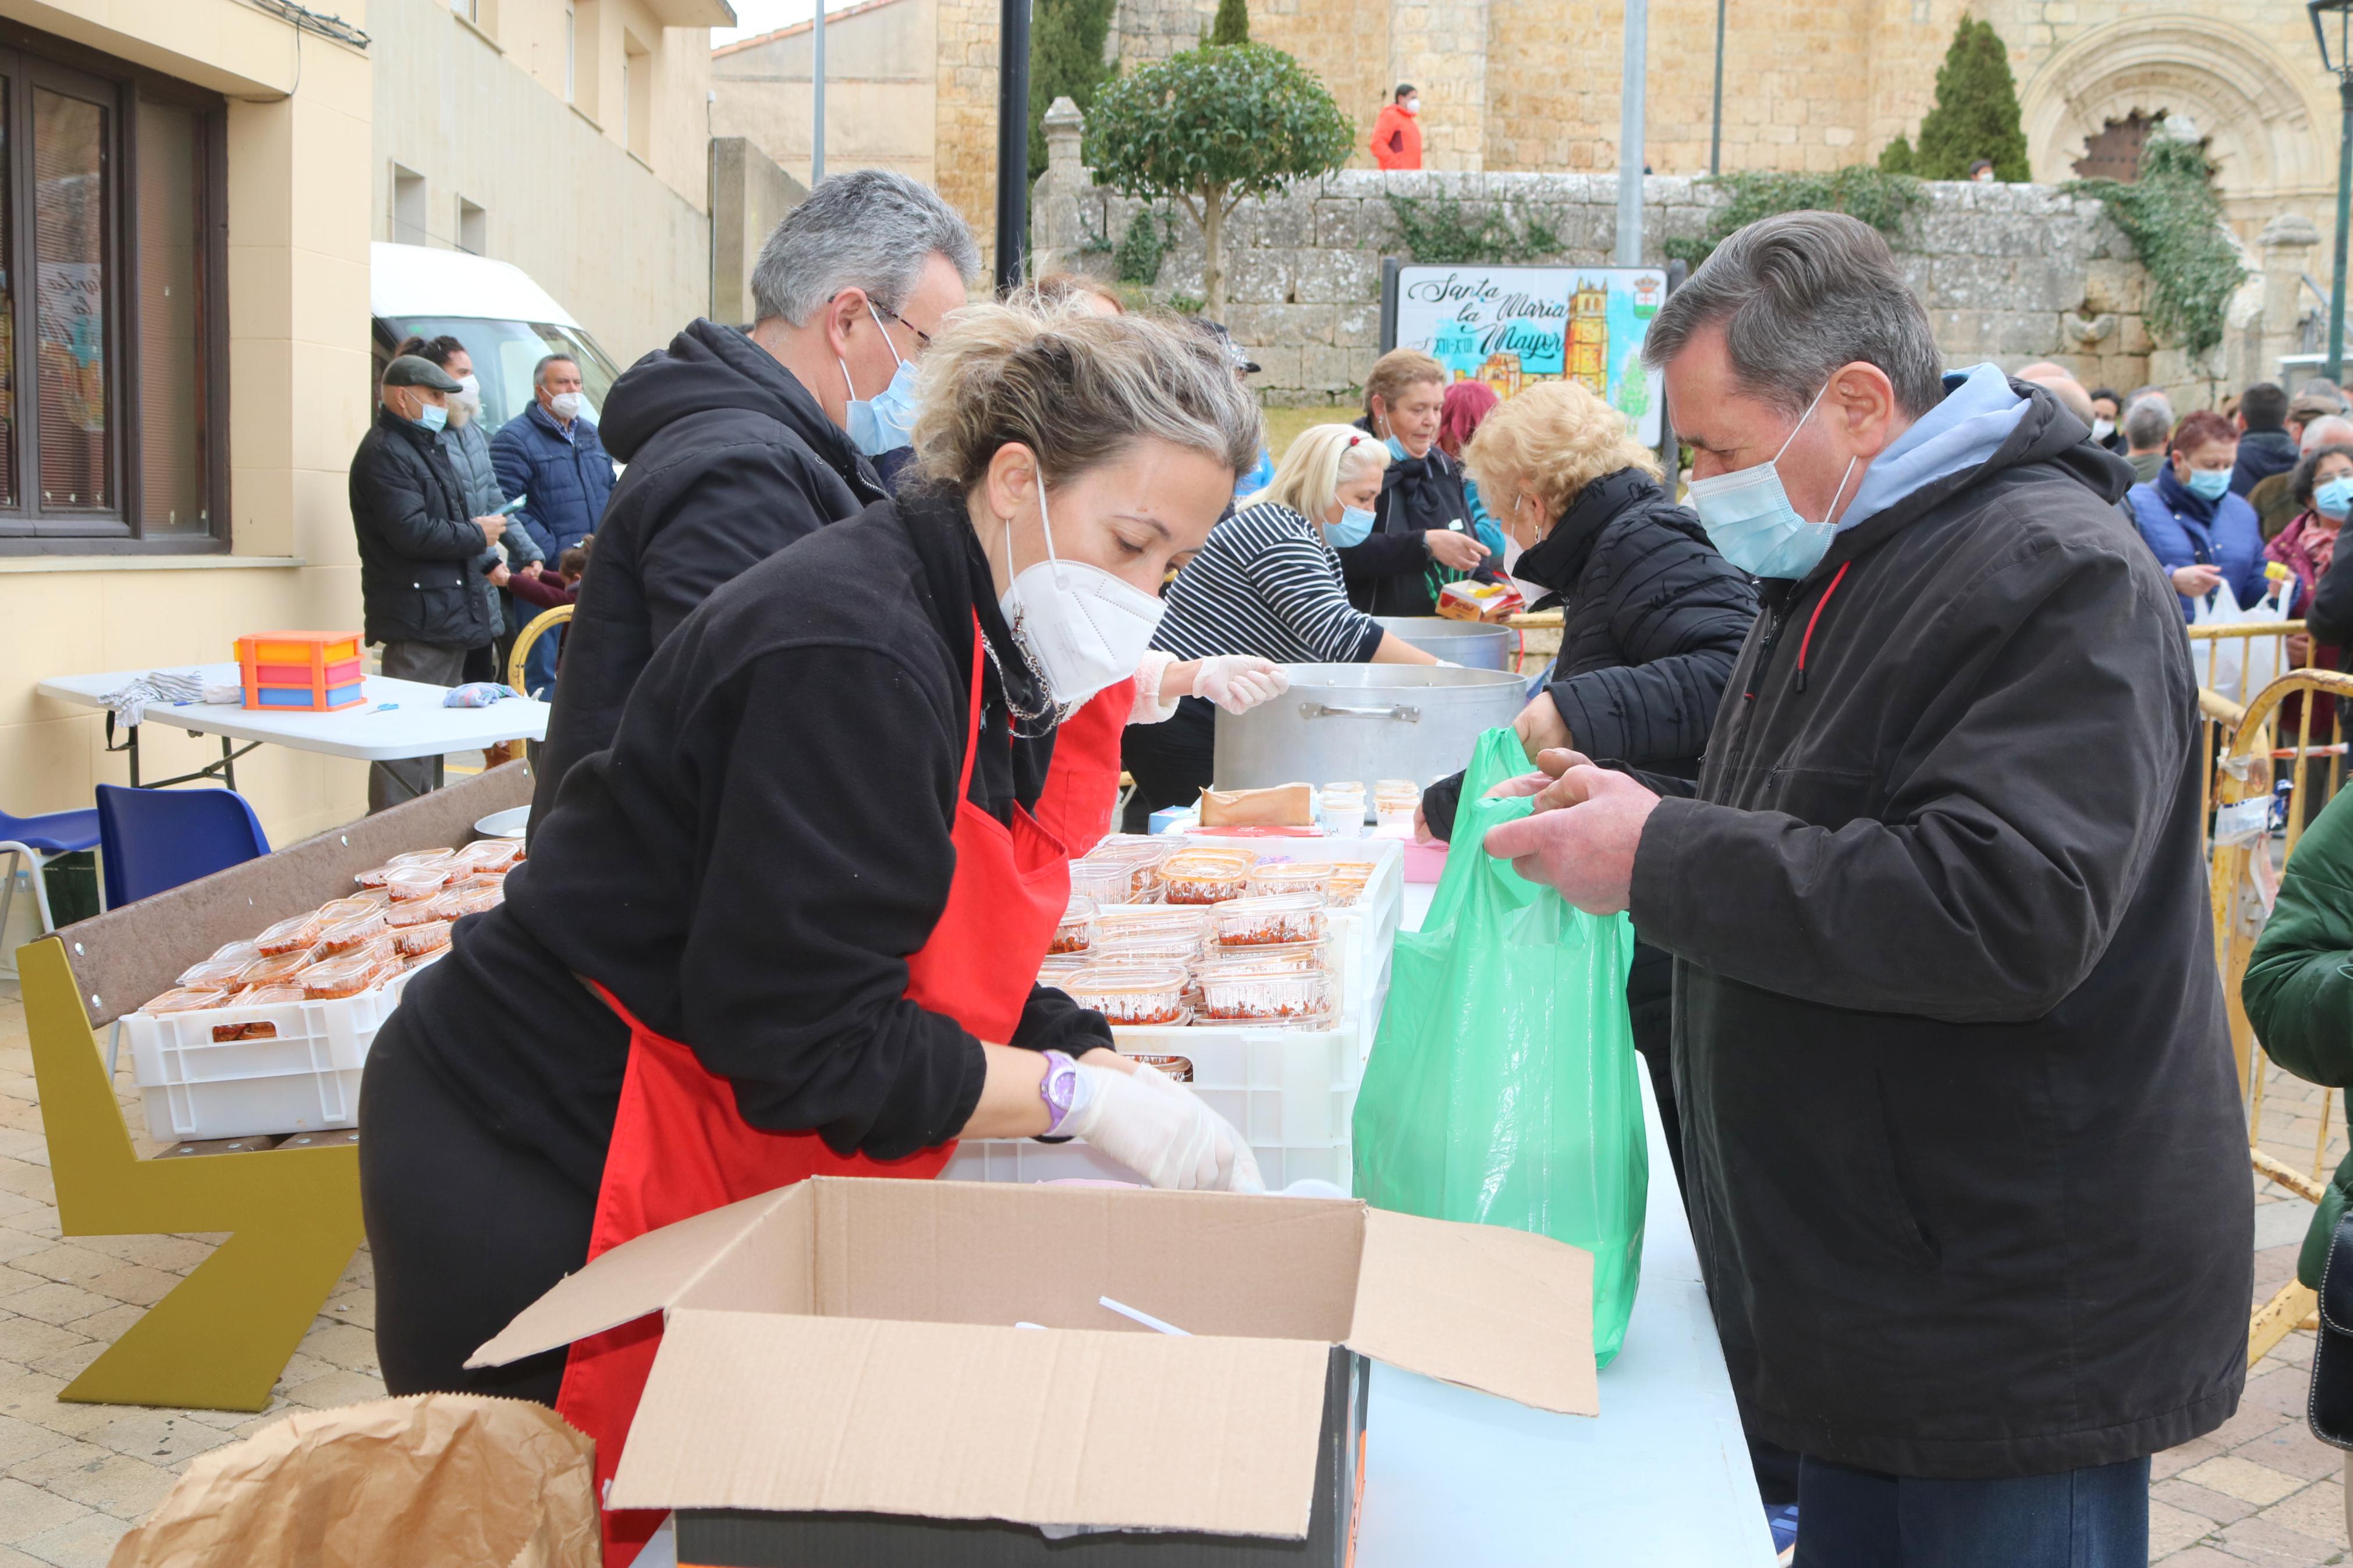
1437, 231
2174, 220
1879, 198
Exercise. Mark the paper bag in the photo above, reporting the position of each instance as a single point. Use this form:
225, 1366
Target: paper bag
1281, 805
435, 1478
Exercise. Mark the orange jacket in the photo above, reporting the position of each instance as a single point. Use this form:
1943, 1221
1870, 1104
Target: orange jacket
1397, 138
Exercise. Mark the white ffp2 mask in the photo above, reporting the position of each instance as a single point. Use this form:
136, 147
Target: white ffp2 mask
1083, 628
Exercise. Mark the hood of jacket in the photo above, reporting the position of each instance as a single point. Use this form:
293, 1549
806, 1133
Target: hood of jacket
709, 367
2043, 432
1557, 560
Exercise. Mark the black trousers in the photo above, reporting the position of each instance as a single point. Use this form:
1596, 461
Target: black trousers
1173, 760
467, 1230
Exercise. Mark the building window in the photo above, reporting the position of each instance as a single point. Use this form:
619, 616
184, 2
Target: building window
636, 98
474, 228
112, 306
571, 50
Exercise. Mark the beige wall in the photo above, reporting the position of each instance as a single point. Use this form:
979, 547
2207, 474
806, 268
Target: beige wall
881, 86
623, 243
298, 223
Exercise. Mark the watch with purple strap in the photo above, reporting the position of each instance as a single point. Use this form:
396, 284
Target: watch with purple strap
1059, 1089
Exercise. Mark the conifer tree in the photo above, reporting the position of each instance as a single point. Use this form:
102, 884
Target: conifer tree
1976, 114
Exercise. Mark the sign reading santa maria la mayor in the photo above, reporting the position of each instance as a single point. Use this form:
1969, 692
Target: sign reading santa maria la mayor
1514, 327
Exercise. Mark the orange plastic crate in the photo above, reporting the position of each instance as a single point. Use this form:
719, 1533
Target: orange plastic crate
317, 671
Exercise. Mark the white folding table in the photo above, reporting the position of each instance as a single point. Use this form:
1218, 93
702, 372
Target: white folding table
396, 719
1661, 1479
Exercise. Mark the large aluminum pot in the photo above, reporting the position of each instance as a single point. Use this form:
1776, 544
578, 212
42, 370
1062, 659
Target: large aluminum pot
1470, 644
1367, 721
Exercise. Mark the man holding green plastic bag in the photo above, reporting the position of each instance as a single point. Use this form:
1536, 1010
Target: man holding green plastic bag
1503, 1088
1963, 1148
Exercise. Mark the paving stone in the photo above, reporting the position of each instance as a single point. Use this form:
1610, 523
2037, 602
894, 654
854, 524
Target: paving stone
21, 1440
87, 1543
2200, 1557
71, 1362
337, 1388
25, 1341
2215, 1508
2171, 1528
28, 1510
54, 1303
2244, 1480
2318, 1512
158, 1435
100, 1478
2293, 1448
343, 1345
132, 1283
2269, 1545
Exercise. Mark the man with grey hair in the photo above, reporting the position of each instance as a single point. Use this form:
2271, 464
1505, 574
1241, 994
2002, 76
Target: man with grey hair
740, 441
2148, 426
1941, 885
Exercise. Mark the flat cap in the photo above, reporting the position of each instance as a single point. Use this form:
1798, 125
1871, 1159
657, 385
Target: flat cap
414, 370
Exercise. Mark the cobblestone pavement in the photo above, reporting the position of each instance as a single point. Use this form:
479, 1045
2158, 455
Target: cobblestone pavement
73, 1478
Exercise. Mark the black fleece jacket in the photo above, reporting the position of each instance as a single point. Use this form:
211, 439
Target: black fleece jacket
1391, 573
730, 460
750, 863
1964, 1155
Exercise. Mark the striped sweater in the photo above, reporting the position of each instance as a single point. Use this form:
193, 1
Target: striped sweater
1265, 584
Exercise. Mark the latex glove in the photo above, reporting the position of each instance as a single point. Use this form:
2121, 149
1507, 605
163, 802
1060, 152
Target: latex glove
1238, 683
1458, 550
1161, 1131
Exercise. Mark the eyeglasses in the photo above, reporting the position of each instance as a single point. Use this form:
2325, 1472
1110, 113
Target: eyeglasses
922, 336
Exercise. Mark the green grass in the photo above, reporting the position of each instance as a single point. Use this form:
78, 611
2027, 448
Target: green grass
1283, 425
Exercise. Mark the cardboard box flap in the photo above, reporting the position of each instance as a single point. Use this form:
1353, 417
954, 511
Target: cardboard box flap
762, 1410
704, 1260
1504, 1312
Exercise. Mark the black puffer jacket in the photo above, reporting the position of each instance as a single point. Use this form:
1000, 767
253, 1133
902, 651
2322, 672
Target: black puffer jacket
1965, 1164
1651, 618
418, 545
730, 460
1391, 573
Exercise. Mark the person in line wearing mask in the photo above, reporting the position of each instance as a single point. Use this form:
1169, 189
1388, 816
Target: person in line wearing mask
1421, 538
550, 456
2201, 534
1939, 909
740, 442
2314, 422
817, 953
1651, 619
423, 552
2107, 408
517, 552
1396, 142
1465, 405
1266, 586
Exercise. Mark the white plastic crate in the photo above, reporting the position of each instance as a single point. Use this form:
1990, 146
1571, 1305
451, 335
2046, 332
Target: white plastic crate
1288, 1092
305, 1080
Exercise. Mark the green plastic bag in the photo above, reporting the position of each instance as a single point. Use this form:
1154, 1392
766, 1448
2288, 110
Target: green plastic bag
1503, 1087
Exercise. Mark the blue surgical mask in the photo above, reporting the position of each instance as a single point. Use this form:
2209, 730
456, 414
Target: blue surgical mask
2334, 497
1750, 521
881, 424
433, 416
2208, 484
1355, 526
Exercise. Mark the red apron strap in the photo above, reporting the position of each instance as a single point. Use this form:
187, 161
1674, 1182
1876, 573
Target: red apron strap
972, 721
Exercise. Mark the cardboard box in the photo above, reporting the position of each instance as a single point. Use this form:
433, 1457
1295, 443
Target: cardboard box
842, 1380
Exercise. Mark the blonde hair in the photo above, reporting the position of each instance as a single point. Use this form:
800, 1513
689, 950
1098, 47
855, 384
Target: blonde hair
1076, 389
1551, 441
1397, 369
1308, 478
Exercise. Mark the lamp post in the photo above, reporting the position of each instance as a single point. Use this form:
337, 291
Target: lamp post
2325, 15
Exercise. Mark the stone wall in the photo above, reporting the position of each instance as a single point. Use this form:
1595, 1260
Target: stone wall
2009, 273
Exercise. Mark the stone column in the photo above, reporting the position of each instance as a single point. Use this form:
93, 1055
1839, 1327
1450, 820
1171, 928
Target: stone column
1442, 50
2288, 242
1058, 201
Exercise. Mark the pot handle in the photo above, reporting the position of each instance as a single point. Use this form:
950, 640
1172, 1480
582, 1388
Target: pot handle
1326, 710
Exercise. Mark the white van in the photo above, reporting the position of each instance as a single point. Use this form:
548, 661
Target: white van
507, 322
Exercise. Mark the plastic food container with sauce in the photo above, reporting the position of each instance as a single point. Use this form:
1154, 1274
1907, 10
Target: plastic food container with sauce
1264, 992
1057, 970
413, 882
1289, 877
1349, 878
1179, 1067
293, 934
185, 999
345, 976
1206, 876
278, 967
491, 854
427, 936
214, 974
1131, 993
374, 876
244, 950
1275, 917
460, 901
351, 932
1077, 932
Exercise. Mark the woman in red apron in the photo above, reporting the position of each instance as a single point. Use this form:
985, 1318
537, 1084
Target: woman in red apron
790, 922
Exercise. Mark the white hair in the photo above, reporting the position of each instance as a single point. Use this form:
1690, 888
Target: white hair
869, 229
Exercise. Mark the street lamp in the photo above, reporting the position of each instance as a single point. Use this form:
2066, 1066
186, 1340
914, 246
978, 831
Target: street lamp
2339, 14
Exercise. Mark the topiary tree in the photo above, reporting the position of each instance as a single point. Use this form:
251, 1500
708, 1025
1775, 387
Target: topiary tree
1137, 258
1897, 157
1210, 126
1976, 112
1233, 26
1066, 57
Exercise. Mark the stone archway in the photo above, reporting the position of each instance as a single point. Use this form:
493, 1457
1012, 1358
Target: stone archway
2258, 112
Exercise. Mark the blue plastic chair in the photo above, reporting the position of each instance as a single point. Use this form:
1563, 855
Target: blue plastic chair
36, 838
152, 839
